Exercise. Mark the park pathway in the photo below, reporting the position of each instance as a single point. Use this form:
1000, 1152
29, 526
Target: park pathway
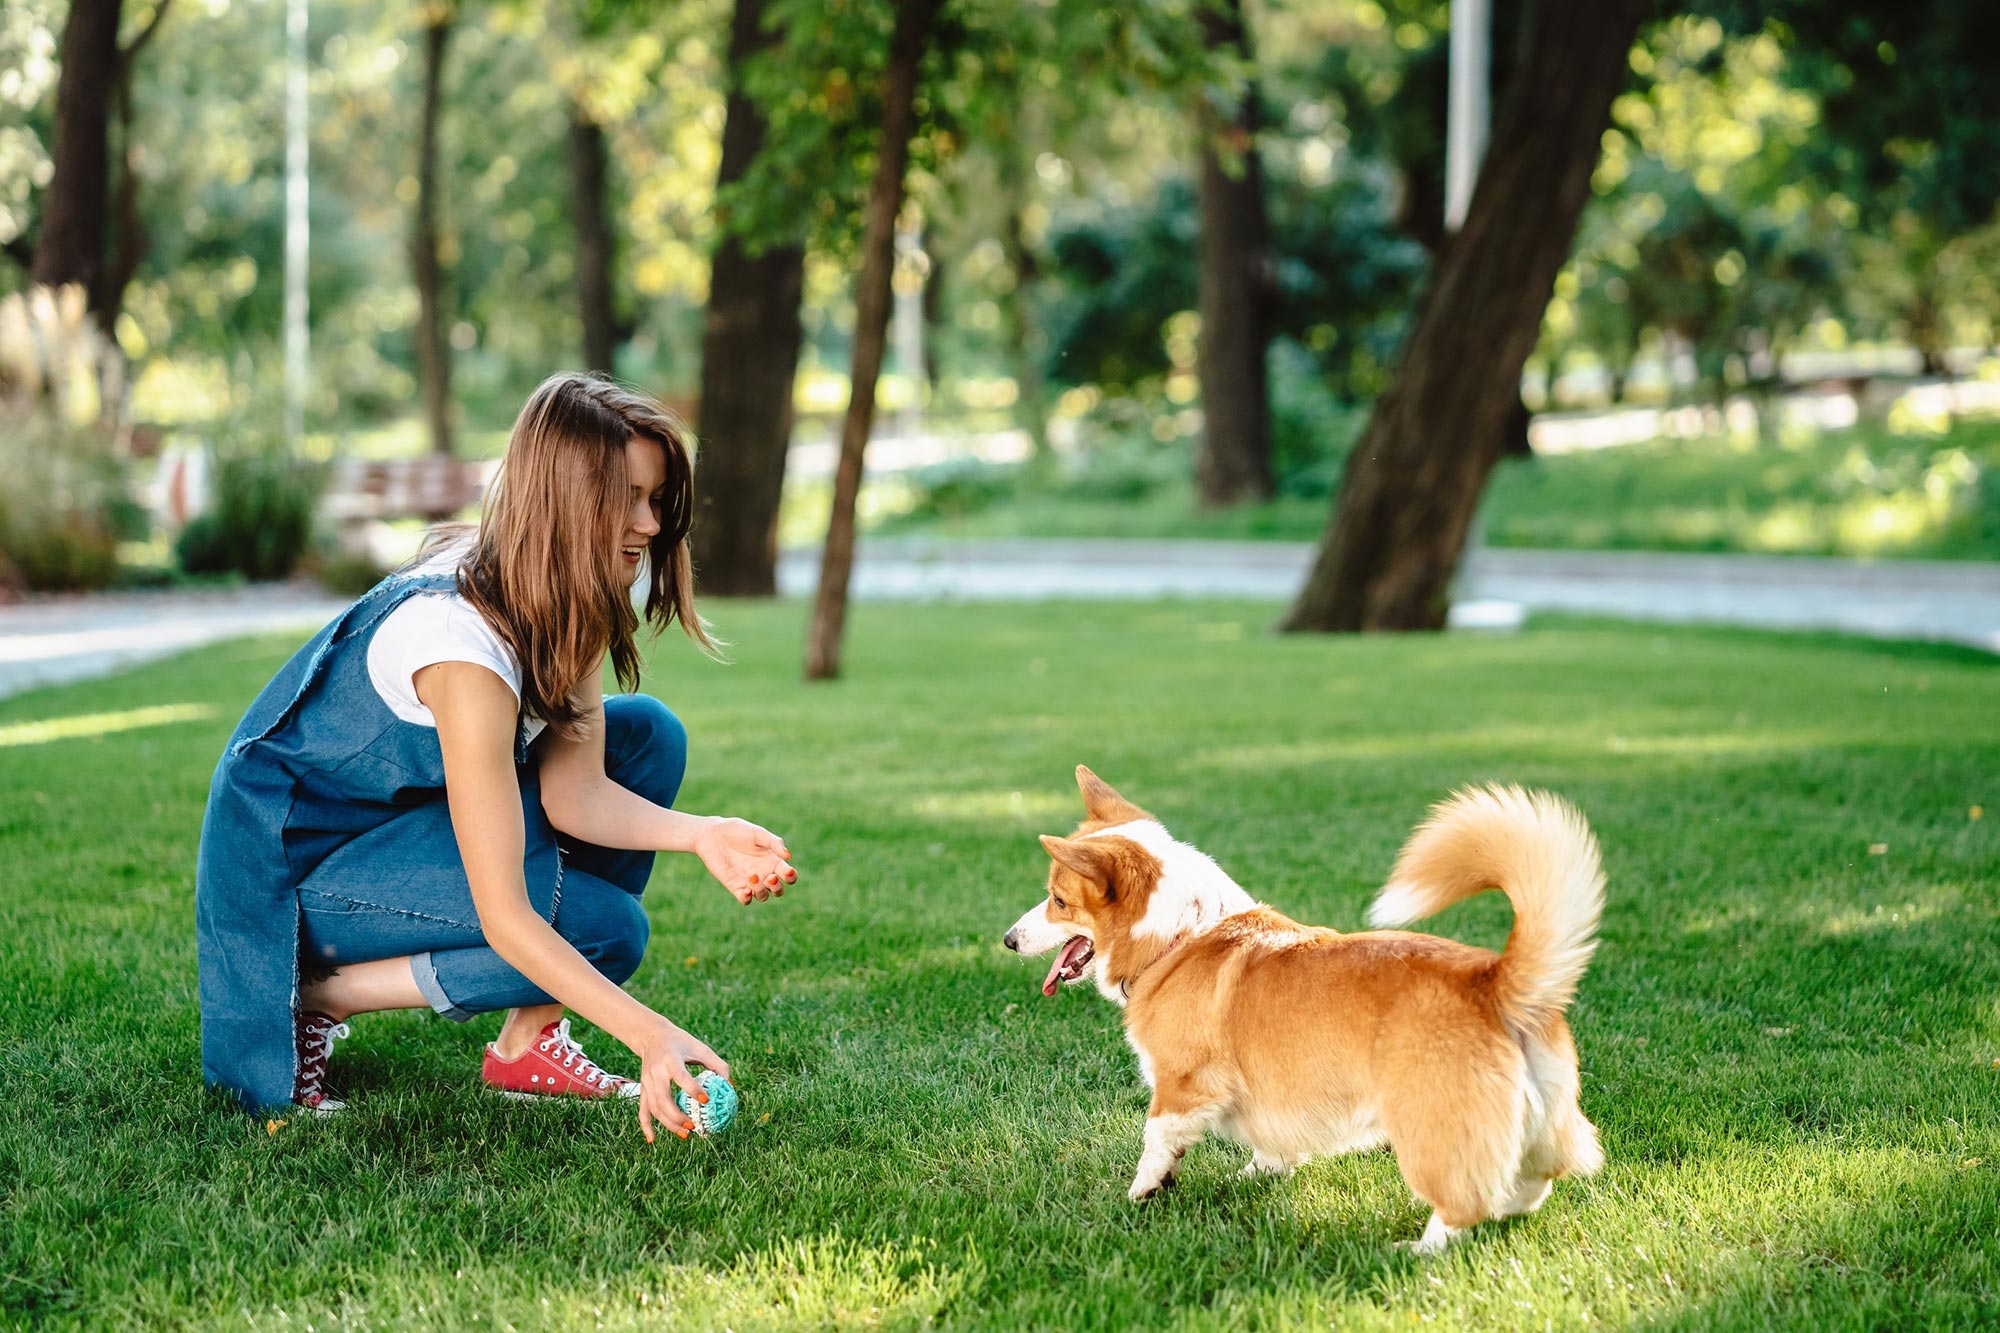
46, 641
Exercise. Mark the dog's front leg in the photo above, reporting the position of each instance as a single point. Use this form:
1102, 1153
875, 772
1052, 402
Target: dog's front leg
1168, 1135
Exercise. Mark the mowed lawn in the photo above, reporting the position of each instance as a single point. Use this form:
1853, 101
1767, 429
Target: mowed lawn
1790, 1037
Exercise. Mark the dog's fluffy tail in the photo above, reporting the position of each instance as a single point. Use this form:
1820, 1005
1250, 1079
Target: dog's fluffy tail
1536, 849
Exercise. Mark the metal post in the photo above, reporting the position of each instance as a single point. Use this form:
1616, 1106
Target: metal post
1468, 114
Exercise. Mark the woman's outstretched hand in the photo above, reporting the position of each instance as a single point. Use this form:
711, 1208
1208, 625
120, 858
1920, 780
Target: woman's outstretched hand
751, 862
664, 1057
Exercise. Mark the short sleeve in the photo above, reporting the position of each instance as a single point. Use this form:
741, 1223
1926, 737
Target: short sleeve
424, 630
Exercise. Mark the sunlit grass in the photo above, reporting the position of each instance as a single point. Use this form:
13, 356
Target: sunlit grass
1790, 1037
88, 725
1880, 490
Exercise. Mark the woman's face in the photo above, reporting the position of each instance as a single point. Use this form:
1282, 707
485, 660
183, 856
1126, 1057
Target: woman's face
646, 469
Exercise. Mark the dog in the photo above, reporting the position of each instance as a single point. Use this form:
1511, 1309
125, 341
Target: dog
1298, 1041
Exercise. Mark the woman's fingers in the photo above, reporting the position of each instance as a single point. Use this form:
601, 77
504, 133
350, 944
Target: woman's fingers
689, 1083
699, 1052
657, 1104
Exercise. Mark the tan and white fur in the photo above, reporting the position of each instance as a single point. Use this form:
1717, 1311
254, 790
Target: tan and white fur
1298, 1041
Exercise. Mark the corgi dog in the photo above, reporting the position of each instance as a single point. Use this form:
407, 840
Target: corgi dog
1298, 1041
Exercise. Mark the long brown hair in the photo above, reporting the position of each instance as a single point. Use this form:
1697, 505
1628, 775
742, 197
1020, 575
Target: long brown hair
543, 567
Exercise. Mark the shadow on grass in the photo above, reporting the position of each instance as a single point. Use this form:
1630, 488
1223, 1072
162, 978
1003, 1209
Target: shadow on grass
936, 1144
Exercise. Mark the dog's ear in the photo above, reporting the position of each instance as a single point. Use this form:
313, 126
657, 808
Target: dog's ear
1078, 856
1102, 802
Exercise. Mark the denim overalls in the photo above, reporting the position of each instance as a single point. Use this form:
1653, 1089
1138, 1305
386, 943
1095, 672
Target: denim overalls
328, 809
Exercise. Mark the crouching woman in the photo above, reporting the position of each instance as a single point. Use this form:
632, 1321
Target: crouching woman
433, 803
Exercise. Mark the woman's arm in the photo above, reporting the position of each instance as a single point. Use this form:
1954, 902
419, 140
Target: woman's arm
583, 802
475, 712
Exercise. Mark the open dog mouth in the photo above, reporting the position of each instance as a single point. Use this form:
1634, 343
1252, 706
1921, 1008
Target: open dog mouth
1069, 964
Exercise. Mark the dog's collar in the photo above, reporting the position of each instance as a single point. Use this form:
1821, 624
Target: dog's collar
1125, 986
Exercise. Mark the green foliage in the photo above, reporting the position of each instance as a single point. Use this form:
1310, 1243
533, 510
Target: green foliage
260, 523
1866, 492
63, 503
349, 573
1312, 425
1787, 1041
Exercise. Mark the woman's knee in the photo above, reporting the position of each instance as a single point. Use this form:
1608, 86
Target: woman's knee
608, 927
645, 746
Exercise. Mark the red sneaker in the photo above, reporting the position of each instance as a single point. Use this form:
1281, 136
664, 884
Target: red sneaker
554, 1066
313, 1035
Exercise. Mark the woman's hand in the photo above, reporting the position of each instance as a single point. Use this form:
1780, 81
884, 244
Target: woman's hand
664, 1056
747, 860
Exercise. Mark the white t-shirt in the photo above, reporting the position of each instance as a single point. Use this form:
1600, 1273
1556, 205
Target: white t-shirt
433, 627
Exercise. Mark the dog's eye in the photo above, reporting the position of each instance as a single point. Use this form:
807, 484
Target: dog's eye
1061, 906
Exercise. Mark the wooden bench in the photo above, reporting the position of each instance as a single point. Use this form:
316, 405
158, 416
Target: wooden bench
362, 490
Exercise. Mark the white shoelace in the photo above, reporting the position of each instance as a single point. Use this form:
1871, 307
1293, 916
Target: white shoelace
312, 1064
561, 1043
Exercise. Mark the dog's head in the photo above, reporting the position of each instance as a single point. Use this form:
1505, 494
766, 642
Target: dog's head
1120, 890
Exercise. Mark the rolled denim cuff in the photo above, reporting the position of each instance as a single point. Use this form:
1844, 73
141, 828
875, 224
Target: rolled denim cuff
426, 975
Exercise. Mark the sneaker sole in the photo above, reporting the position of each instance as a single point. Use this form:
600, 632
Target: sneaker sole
513, 1096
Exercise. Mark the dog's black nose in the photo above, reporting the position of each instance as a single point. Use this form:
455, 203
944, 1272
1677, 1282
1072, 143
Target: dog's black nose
1013, 940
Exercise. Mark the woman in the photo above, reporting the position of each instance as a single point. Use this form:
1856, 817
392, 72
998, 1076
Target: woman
433, 804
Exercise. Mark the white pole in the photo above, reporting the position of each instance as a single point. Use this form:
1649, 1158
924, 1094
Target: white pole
1468, 114
297, 226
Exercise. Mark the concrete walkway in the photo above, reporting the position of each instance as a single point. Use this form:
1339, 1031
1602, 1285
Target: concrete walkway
46, 641
1956, 602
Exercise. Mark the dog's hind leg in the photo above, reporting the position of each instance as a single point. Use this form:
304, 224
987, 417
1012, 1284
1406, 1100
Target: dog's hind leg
1262, 1163
1530, 1192
1457, 1124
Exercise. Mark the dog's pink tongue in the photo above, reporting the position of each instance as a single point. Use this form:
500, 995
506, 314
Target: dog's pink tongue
1077, 944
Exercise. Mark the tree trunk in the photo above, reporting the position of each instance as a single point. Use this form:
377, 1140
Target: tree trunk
1413, 483
871, 327
596, 244
433, 345
1234, 464
1031, 409
129, 240
70, 248
749, 357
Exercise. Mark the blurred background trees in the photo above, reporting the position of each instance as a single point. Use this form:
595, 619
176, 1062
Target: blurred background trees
1159, 255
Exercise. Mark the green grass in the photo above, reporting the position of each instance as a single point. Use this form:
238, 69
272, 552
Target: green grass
1866, 491
1791, 1045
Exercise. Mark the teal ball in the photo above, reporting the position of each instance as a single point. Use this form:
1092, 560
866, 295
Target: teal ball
714, 1115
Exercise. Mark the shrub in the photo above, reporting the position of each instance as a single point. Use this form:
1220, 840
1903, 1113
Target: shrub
261, 520
349, 573
961, 487
1312, 427
63, 502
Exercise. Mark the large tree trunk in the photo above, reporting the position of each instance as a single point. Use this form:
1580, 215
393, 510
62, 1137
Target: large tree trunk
596, 244
871, 327
749, 356
433, 345
1236, 280
129, 241
1413, 482
70, 248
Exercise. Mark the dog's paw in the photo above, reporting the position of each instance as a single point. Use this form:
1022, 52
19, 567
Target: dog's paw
1260, 1165
1141, 1191
1436, 1236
